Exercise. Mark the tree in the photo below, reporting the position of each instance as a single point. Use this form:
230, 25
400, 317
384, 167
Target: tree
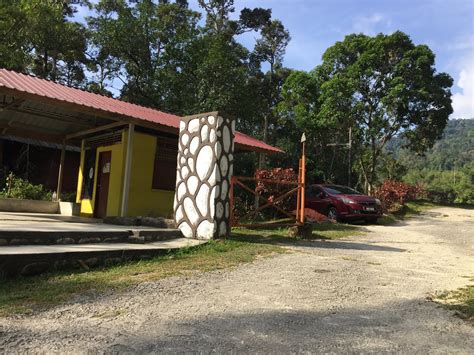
382, 86
39, 39
222, 64
147, 45
270, 48
14, 51
298, 110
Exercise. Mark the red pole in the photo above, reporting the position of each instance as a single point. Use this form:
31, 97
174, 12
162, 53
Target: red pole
298, 195
303, 181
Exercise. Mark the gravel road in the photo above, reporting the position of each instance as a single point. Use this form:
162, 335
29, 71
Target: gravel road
361, 294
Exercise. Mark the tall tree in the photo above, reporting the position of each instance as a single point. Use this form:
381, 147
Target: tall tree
40, 37
270, 48
222, 65
145, 44
382, 86
14, 48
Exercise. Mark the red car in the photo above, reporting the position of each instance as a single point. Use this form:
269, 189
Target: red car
340, 203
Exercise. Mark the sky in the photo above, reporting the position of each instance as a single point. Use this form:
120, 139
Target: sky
446, 26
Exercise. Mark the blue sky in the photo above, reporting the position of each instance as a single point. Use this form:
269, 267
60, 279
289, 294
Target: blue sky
446, 26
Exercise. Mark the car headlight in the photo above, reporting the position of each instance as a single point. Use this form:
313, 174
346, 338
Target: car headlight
347, 200
377, 201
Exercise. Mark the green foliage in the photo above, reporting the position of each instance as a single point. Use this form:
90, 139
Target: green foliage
456, 186
447, 169
148, 46
381, 86
22, 189
38, 37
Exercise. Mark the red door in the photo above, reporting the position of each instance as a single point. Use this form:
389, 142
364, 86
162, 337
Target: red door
102, 188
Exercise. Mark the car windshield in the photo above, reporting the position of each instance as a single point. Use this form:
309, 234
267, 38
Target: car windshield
337, 190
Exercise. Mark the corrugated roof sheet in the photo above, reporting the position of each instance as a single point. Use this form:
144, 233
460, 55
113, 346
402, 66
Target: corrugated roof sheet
48, 89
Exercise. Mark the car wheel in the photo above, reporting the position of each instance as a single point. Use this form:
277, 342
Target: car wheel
333, 216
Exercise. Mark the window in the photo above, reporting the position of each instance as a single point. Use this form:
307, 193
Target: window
337, 190
312, 191
164, 170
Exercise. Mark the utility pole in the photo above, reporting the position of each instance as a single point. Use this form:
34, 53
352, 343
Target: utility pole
349, 148
349, 171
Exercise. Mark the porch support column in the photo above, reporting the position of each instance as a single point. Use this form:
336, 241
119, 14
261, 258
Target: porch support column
61, 172
128, 168
205, 165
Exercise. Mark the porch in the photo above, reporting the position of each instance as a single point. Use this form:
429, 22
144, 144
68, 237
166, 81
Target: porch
32, 243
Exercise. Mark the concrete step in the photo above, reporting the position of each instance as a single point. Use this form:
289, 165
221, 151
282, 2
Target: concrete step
14, 237
29, 260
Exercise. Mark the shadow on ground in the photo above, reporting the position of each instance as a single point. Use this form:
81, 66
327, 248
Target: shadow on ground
410, 326
315, 242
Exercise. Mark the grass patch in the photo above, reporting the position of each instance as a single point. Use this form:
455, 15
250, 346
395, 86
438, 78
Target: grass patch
461, 301
26, 294
333, 231
325, 230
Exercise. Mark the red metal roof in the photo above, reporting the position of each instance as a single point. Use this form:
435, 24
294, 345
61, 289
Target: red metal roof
44, 88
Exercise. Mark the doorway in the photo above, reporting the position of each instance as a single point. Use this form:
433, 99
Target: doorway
102, 188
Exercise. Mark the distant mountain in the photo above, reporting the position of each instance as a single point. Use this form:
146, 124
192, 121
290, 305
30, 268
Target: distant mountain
454, 150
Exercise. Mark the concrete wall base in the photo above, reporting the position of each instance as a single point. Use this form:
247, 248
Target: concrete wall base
31, 206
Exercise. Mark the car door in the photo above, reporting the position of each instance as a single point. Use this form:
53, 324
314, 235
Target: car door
314, 199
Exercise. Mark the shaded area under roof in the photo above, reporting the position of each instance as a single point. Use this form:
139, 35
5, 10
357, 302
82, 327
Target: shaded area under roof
39, 143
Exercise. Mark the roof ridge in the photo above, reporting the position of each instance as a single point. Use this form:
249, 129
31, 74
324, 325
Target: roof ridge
31, 84
34, 76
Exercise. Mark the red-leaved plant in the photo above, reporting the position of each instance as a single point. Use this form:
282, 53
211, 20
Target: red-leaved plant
392, 193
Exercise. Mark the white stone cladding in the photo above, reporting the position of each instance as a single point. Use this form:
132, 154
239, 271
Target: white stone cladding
204, 170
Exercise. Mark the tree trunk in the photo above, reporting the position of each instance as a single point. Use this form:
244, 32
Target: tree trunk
373, 173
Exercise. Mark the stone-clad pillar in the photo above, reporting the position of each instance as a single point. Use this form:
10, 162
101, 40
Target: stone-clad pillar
205, 166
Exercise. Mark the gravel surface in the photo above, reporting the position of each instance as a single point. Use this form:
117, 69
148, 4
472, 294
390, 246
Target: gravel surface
361, 294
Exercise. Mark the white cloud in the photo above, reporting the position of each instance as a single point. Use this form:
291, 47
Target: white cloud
463, 101
371, 24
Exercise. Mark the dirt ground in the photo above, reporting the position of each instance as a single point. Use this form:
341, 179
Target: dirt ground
361, 294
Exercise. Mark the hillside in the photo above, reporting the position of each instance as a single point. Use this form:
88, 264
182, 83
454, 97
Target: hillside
454, 150
447, 169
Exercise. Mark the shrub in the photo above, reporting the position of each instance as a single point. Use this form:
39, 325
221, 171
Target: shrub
22, 189
392, 193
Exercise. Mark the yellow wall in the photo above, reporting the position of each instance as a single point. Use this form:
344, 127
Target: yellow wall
79, 178
142, 200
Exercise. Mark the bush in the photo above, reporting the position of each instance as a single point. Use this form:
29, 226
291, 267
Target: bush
446, 186
392, 193
22, 189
